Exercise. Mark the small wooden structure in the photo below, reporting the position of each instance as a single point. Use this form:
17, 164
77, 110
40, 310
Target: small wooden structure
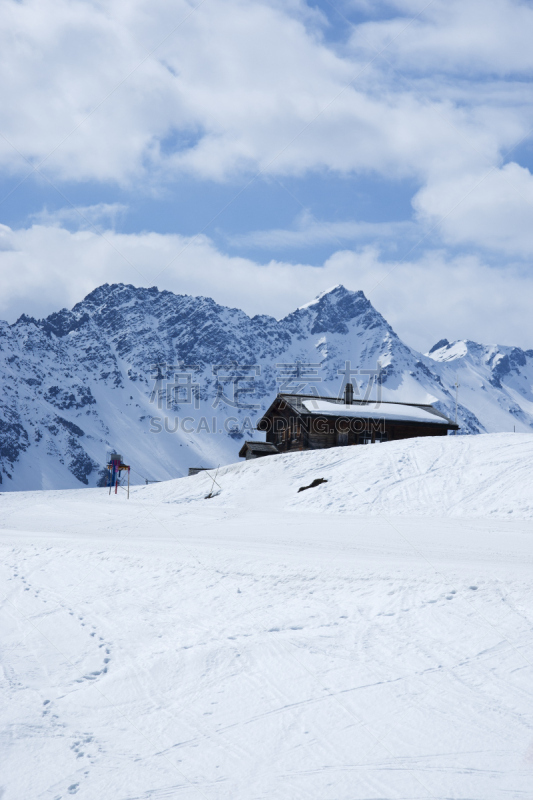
308, 422
257, 450
196, 470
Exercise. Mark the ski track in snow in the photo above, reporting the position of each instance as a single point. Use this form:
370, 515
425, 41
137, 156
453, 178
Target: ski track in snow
334, 644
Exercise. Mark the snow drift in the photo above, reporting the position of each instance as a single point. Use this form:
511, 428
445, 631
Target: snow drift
455, 476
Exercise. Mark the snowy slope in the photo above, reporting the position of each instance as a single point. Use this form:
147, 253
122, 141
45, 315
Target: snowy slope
82, 382
481, 476
257, 645
495, 382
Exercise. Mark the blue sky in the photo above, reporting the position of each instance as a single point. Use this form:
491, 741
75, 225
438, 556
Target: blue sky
259, 152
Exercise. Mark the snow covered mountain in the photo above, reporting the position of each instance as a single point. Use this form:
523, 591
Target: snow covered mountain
173, 381
496, 382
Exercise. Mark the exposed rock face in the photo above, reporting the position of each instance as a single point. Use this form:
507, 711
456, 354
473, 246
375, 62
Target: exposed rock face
84, 381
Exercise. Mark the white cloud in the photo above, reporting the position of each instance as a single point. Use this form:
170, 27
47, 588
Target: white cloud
465, 37
82, 217
136, 93
135, 90
490, 209
308, 231
43, 268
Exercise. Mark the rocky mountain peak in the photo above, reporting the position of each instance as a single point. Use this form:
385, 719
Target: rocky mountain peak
333, 311
81, 381
439, 345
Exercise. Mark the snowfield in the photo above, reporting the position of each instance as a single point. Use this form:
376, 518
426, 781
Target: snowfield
472, 476
368, 638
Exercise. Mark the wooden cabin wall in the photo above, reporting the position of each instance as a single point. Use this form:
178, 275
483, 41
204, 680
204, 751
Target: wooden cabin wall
295, 433
412, 431
285, 430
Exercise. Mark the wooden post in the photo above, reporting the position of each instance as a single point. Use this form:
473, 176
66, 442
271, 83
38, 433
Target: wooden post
116, 487
128, 483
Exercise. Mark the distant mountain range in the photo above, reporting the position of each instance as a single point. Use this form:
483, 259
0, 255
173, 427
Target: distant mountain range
163, 378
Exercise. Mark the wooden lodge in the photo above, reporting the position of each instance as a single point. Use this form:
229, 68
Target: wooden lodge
257, 450
308, 422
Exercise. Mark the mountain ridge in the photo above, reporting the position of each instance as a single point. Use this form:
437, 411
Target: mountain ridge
81, 382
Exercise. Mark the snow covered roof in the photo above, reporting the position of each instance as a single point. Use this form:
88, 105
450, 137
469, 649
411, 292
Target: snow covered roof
329, 406
374, 410
258, 447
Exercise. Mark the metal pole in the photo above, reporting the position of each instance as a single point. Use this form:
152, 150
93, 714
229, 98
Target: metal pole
456, 397
128, 483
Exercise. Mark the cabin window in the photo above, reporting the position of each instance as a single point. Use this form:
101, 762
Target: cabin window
366, 438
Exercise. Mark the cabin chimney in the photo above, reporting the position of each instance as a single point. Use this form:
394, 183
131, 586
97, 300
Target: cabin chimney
348, 394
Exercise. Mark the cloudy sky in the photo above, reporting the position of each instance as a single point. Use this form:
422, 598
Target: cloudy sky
260, 152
